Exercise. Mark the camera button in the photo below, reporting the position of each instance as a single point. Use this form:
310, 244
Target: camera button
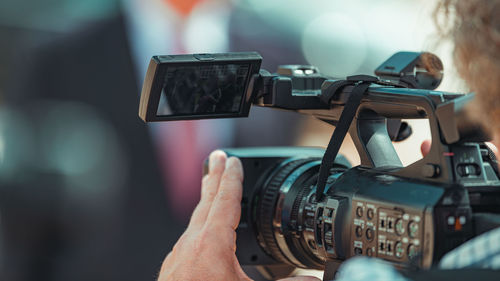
399, 250
369, 234
413, 229
400, 229
358, 251
370, 213
359, 211
204, 57
369, 252
412, 251
359, 231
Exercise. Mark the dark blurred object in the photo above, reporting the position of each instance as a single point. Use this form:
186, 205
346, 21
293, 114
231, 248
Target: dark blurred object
265, 38
56, 227
130, 237
13, 38
398, 130
54, 15
22, 28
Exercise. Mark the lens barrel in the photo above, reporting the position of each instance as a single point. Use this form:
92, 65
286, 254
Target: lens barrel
279, 219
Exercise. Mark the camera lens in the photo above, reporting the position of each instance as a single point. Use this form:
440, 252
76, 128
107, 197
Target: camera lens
286, 215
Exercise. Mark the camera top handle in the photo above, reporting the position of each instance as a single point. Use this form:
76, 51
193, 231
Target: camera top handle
365, 114
379, 103
369, 130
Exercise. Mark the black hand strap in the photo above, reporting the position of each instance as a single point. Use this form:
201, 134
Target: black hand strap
333, 89
361, 85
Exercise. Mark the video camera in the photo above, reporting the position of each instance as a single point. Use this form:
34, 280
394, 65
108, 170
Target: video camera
307, 207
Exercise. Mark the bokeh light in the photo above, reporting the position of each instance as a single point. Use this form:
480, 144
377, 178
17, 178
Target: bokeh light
334, 43
207, 29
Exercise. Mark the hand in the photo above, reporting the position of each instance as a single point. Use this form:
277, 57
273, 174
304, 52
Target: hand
206, 250
425, 147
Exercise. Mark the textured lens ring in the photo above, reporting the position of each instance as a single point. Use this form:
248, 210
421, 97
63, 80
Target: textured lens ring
306, 189
268, 203
296, 242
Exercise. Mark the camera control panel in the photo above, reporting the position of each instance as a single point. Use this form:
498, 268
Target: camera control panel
386, 232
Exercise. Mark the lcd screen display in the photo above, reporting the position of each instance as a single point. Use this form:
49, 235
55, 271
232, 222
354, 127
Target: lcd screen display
203, 89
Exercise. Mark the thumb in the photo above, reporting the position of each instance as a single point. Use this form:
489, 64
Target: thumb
425, 147
301, 278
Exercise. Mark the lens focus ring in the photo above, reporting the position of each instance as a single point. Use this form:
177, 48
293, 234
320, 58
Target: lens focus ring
268, 205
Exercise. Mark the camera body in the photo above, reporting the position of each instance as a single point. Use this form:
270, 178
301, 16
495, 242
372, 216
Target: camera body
364, 212
409, 216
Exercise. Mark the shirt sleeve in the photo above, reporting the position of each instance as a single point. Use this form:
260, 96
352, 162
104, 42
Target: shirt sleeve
368, 269
481, 252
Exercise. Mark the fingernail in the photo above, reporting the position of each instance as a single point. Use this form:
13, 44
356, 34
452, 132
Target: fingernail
230, 162
234, 163
216, 158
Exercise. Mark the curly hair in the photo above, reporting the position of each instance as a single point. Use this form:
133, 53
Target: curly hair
474, 28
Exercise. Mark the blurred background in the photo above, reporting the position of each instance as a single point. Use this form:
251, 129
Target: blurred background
88, 191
